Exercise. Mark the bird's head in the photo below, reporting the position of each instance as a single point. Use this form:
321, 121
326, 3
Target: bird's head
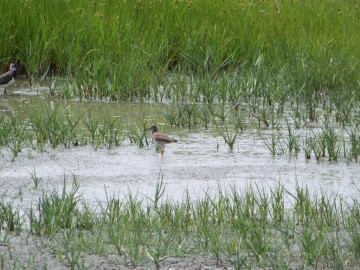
13, 67
153, 128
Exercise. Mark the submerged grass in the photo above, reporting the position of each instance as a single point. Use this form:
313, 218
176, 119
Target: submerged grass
64, 125
247, 228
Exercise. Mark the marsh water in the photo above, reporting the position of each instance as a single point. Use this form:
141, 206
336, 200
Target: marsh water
199, 163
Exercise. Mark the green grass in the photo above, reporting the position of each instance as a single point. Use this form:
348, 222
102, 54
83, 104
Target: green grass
228, 136
218, 63
252, 227
124, 51
10, 218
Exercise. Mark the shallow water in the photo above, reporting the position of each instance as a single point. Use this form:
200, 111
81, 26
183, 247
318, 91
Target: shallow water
200, 162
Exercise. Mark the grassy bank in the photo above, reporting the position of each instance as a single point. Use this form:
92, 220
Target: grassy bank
126, 50
254, 227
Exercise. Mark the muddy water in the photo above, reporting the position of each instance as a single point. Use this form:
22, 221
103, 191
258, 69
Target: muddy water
200, 162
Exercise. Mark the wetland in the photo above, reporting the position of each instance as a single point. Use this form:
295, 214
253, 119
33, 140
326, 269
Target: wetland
263, 98
77, 179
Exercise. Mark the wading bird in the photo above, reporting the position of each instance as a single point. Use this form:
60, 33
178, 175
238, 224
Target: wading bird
8, 78
160, 138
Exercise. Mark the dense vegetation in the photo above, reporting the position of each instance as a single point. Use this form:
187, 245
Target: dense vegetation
127, 49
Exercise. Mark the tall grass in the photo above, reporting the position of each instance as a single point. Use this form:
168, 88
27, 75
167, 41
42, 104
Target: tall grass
122, 50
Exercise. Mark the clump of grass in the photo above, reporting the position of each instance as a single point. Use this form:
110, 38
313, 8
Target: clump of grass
312, 246
332, 142
182, 114
228, 136
6, 130
205, 115
239, 122
10, 218
116, 229
55, 212
334, 253
92, 126
293, 141
111, 131
34, 177
138, 136
354, 138
38, 126
307, 147
274, 143
69, 244
354, 243
315, 145
14, 135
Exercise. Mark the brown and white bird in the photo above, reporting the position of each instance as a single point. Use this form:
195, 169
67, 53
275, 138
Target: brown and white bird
8, 78
160, 138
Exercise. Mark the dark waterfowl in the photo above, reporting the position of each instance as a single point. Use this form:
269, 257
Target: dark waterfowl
8, 78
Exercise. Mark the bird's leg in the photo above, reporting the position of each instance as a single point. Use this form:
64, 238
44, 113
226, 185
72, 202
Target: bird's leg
5, 93
162, 151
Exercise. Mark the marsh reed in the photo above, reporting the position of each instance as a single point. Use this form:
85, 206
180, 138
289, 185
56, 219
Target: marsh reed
164, 49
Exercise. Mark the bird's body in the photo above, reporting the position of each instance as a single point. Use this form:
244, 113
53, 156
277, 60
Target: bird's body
8, 78
160, 138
